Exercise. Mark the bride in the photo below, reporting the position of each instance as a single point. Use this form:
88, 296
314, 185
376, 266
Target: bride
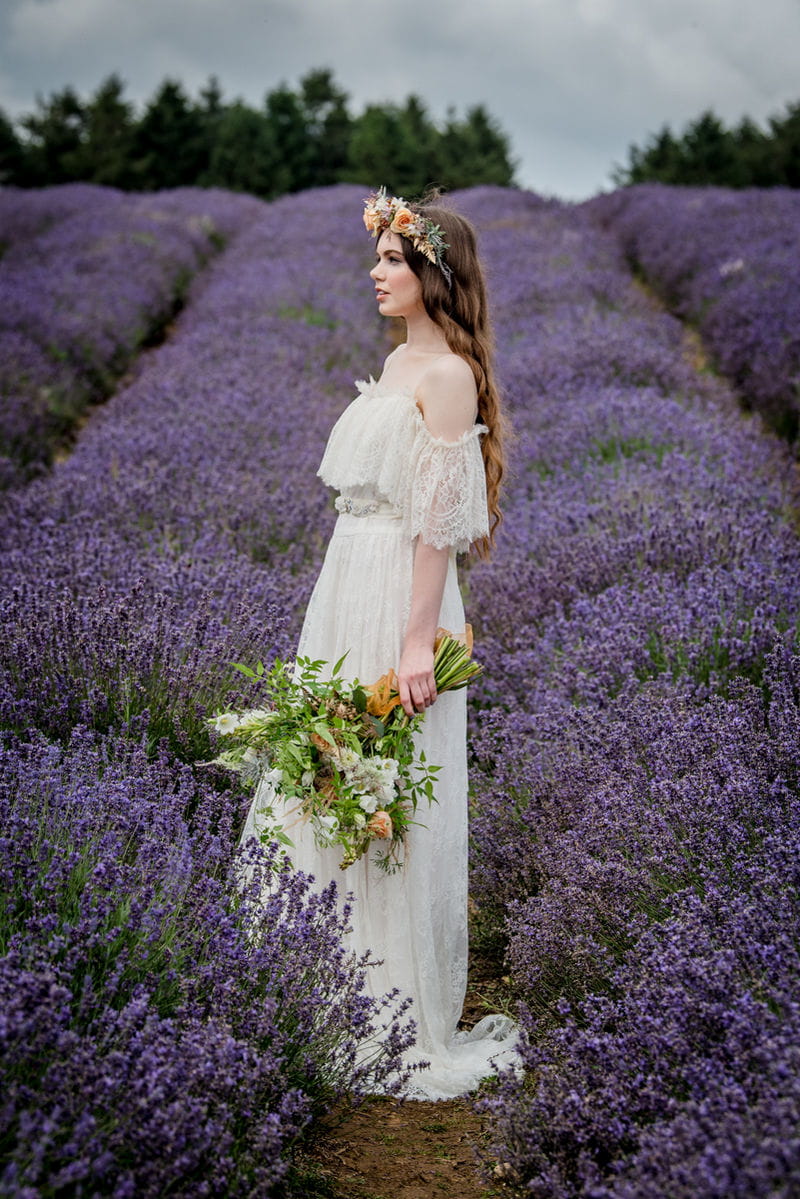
417, 460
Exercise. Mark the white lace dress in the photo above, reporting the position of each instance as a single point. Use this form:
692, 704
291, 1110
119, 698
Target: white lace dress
398, 482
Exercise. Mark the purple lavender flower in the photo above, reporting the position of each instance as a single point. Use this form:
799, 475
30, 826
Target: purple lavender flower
635, 736
88, 276
727, 261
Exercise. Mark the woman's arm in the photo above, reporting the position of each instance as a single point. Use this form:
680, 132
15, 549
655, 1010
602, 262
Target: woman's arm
417, 687
447, 399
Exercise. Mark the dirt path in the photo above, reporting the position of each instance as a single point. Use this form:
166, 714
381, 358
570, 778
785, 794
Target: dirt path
394, 1150
389, 1149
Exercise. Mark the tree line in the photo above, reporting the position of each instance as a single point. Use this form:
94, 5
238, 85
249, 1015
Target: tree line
299, 138
709, 153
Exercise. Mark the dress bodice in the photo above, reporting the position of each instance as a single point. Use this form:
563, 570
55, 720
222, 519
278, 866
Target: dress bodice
381, 451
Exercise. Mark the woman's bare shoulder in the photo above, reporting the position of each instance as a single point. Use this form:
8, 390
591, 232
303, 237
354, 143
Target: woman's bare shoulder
450, 370
448, 396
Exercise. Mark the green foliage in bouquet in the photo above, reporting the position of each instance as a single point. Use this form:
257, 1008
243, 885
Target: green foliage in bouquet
336, 753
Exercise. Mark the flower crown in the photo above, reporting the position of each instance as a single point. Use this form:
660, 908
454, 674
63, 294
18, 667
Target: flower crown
383, 212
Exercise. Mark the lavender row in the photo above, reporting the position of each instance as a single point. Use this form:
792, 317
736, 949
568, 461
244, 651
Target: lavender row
185, 530
659, 953
26, 213
644, 575
156, 1033
636, 740
181, 535
89, 275
727, 261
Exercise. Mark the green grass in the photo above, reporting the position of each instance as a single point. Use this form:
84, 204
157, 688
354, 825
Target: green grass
309, 314
613, 448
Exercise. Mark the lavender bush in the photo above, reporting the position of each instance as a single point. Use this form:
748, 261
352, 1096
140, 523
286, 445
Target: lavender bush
156, 1033
25, 213
172, 1049
635, 736
88, 276
677, 1075
635, 740
727, 261
174, 540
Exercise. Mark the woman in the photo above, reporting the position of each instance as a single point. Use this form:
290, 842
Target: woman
417, 461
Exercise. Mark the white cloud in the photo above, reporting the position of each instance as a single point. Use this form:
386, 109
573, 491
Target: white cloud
48, 28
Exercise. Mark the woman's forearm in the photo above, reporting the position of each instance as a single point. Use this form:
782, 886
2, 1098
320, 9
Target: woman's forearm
430, 572
417, 687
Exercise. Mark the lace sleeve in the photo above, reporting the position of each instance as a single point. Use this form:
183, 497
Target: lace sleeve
382, 443
445, 489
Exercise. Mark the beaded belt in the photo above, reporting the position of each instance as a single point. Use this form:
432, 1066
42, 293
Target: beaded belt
345, 504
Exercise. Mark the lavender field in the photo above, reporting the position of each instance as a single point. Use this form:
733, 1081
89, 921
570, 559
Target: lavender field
728, 262
635, 738
87, 276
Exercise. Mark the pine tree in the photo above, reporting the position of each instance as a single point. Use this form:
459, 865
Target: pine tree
786, 146
245, 156
287, 122
106, 150
170, 147
55, 134
371, 158
475, 150
328, 126
708, 153
299, 139
12, 155
658, 161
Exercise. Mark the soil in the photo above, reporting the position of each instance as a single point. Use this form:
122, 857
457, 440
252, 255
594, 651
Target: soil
390, 1149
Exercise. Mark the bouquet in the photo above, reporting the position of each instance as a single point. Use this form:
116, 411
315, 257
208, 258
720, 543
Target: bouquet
339, 754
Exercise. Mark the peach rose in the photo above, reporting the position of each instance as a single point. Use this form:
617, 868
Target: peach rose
380, 825
404, 220
371, 220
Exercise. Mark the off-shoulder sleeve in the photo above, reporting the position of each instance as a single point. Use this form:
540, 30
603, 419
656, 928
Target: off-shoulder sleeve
381, 442
440, 488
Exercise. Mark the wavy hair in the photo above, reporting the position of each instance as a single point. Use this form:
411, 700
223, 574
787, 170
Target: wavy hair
461, 312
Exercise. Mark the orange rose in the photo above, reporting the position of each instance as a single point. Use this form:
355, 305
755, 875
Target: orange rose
403, 221
371, 221
380, 825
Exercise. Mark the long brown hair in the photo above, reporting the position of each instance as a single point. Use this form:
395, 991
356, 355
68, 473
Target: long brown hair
461, 312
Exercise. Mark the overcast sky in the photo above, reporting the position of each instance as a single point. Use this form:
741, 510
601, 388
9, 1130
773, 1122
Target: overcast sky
573, 82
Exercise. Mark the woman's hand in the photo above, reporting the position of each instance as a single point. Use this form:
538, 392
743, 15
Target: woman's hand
416, 683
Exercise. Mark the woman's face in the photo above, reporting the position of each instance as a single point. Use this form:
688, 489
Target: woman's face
398, 289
